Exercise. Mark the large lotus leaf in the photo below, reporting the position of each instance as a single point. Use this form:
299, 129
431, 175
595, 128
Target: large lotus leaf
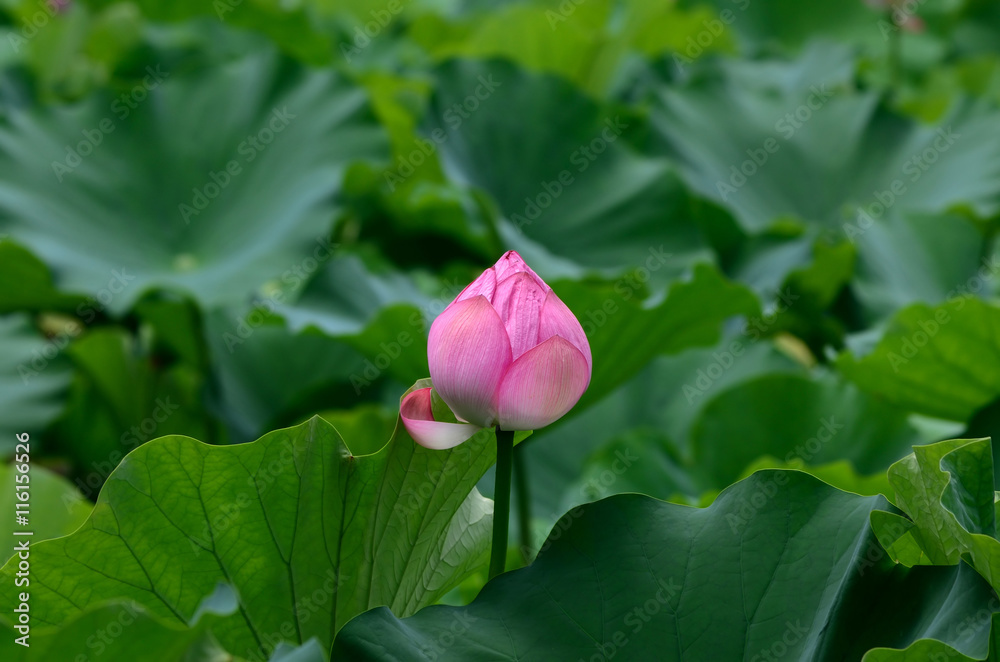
776, 138
780, 565
34, 375
935, 360
218, 179
574, 195
307, 533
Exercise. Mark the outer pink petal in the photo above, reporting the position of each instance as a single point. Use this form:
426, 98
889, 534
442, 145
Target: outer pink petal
415, 410
518, 301
559, 320
468, 353
541, 386
485, 285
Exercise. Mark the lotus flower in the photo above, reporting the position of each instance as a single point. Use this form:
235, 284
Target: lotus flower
506, 352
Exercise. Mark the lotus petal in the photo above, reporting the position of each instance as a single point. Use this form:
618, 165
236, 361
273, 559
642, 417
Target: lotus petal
558, 320
468, 352
415, 410
518, 301
542, 385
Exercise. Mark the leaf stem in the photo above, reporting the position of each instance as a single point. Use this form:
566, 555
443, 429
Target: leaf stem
501, 501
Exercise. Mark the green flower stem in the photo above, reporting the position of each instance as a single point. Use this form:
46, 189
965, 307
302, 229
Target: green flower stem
501, 501
523, 503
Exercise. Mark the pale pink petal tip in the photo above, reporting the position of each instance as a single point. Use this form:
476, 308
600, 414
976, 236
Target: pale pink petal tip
418, 418
510, 263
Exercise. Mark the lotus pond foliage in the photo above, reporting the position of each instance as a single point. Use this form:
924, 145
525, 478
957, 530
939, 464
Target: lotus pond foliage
499, 330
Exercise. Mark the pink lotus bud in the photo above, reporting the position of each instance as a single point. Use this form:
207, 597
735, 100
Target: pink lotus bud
505, 352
